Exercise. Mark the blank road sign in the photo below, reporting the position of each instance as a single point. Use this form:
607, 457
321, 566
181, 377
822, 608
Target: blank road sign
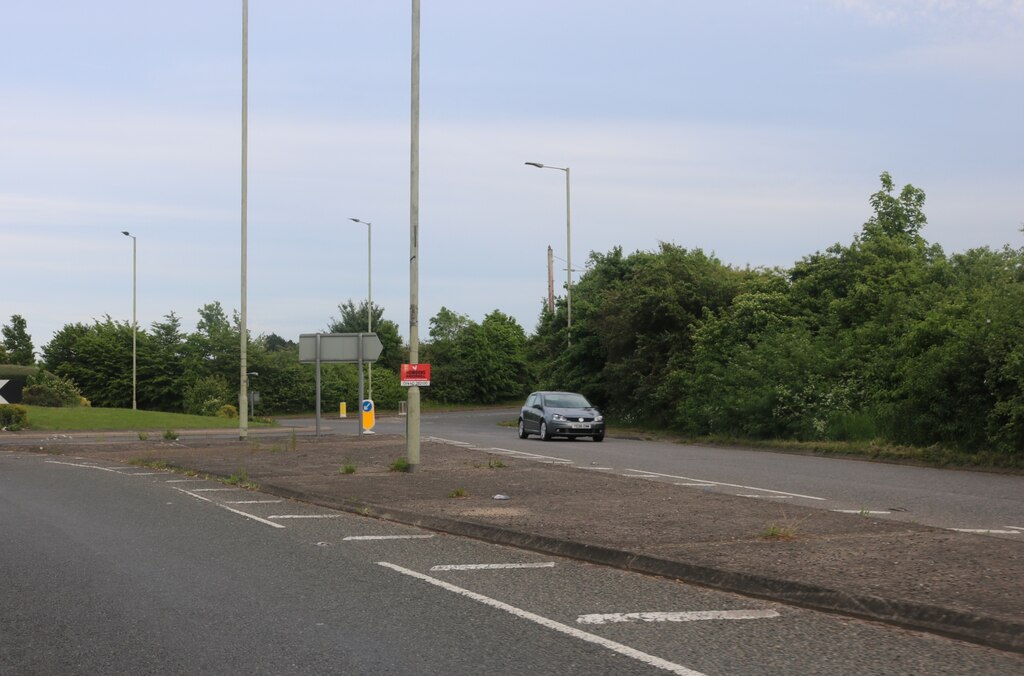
339, 347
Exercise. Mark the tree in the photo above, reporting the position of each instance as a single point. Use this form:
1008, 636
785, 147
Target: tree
353, 320
17, 343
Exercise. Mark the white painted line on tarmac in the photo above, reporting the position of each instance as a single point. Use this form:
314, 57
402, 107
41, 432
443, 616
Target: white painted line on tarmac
691, 616
602, 469
304, 516
493, 566
1016, 527
987, 531
619, 648
141, 473
254, 502
183, 481
861, 511
212, 490
765, 497
79, 464
230, 509
387, 537
722, 483
504, 450
701, 485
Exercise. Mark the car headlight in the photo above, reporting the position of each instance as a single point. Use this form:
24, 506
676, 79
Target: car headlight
558, 417
599, 418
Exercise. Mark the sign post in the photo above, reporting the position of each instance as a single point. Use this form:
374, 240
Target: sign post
344, 348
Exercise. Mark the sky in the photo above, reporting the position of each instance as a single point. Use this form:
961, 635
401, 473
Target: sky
753, 130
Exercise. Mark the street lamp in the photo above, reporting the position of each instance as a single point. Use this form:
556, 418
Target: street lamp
134, 323
568, 248
369, 295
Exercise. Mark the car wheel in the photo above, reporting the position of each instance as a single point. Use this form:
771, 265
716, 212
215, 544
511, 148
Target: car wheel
599, 437
522, 430
544, 431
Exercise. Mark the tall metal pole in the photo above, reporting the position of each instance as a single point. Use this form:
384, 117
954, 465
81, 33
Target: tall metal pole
135, 324
568, 247
243, 390
412, 437
369, 294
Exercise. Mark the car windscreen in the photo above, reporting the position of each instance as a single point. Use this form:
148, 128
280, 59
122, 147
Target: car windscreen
566, 401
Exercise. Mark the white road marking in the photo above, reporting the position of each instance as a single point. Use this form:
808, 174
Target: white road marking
304, 516
701, 485
79, 464
1016, 527
861, 511
619, 648
765, 497
493, 566
722, 483
230, 509
503, 450
183, 481
598, 468
254, 502
991, 531
691, 616
213, 490
387, 537
141, 473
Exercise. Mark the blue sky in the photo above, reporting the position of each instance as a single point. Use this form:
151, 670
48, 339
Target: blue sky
753, 130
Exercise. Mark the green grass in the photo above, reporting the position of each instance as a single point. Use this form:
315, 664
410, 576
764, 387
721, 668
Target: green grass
44, 418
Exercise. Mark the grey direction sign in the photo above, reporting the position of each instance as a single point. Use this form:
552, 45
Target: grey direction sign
339, 347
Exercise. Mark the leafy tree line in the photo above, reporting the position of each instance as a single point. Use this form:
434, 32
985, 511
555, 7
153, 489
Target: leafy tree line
884, 338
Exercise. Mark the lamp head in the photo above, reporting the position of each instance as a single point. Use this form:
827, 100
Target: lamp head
126, 233
535, 164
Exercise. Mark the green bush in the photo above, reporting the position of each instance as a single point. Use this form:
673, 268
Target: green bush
13, 417
44, 388
227, 411
206, 396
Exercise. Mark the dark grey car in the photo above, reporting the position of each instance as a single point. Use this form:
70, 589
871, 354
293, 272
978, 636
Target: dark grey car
560, 414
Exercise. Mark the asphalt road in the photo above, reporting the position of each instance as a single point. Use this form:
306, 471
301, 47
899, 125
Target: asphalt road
121, 570
946, 498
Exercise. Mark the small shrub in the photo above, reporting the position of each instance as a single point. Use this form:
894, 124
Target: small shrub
774, 531
170, 435
13, 417
496, 463
143, 436
347, 469
227, 411
458, 493
400, 465
48, 389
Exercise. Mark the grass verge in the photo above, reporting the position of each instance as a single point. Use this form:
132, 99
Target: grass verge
45, 418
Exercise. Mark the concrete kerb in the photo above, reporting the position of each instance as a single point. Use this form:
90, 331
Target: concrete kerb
987, 631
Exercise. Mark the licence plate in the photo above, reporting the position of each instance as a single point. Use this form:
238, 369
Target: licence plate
581, 426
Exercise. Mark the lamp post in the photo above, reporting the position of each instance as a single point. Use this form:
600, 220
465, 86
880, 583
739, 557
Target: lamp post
134, 323
369, 295
568, 248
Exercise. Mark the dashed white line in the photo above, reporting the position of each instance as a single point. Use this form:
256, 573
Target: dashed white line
861, 511
722, 483
387, 537
987, 531
230, 509
254, 502
79, 464
765, 497
691, 616
1021, 528
212, 490
700, 485
493, 566
619, 648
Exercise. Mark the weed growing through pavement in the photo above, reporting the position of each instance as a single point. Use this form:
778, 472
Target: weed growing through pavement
170, 435
240, 479
347, 469
496, 463
785, 529
143, 436
400, 465
459, 493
